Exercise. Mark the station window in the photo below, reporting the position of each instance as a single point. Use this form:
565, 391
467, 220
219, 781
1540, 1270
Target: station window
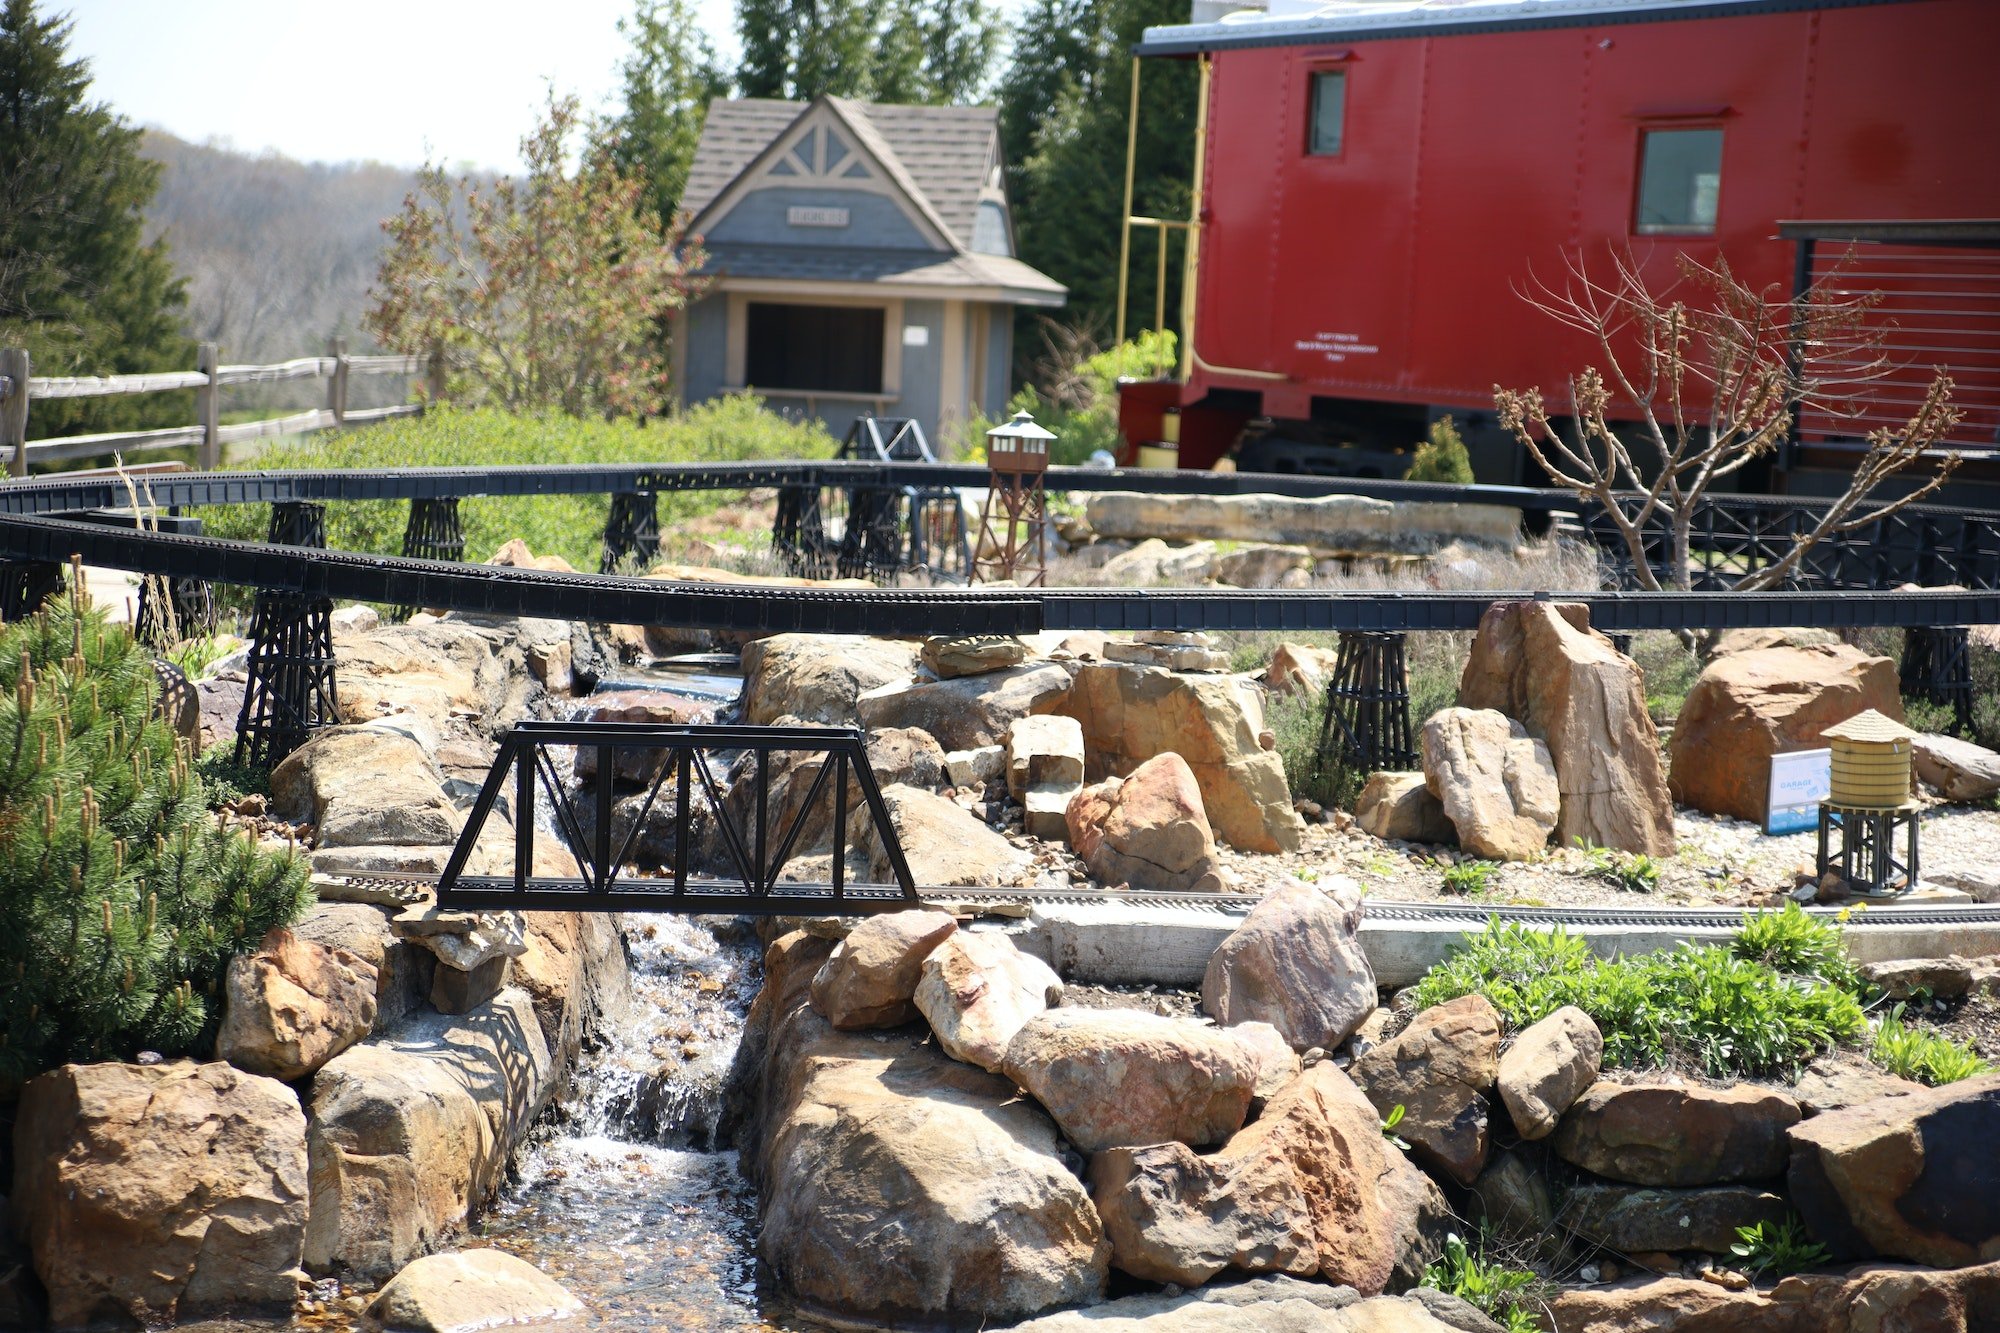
828, 348
1329, 113
1680, 179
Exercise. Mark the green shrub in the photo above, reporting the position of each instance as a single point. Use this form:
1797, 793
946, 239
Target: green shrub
1076, 394
124, 898
1471, 878
572, 526
1795, 942
1501, 1293
1927, 1057
1780, 1250
1701, 1005
1294, 719
1442, 457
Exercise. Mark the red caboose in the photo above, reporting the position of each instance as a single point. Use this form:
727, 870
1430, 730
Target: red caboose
1379, 179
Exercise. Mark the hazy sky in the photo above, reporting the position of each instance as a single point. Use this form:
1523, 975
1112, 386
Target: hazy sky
391, 80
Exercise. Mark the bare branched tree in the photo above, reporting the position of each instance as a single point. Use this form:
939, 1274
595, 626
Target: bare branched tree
1692, 390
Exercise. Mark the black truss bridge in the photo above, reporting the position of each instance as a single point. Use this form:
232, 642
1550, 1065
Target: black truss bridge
685, 767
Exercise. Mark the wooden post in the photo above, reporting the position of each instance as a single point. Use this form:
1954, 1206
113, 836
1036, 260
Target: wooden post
434, 375
208, 407
336, 386
14, 409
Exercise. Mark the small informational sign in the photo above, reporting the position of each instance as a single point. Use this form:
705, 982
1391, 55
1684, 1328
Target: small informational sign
816, 217
916, 335
1799, 782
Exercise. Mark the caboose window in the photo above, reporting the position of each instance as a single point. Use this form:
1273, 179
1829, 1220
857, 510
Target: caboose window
1680, 178
1329, 113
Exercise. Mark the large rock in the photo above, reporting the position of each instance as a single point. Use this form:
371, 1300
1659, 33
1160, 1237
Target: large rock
1400, 807
1263, 565
815, 678
949, 656
902, 1186
575, 973
1154, 562
637, 764
871, 977
364, 786
1677, 1134
1347, 524
1840, 1079
1270, 1305
944, 844
969, 711
1119, 1078
1438, 1069
1497, 784
1632, 1218
1959, 770
1296, 963
410, 1135
469, 1292
1148, 830
1542, 665
293, 1005
1547, 1068
1512, 1196
1669, 1305
1910, 1177
403, 968
150, 1193
977, 991
1748, 706
1297, 669
1132, 713
1043, 749
1879, 1299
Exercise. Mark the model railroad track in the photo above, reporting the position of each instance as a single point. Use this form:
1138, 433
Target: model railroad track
413, 888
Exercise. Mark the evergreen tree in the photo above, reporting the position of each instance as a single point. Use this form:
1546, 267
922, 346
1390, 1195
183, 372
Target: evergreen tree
1070, 93
79, 286
933, 52
1442, 457
124, 898
669, 77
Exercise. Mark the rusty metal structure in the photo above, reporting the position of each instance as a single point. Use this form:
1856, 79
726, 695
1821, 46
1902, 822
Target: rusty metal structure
1013, 543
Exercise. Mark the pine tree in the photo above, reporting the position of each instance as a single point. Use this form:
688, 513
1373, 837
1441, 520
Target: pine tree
79, 286
123, 895
931, 52
1442, 457
669, 77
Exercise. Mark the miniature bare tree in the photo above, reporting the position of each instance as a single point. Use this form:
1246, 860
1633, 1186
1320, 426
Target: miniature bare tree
1701, 387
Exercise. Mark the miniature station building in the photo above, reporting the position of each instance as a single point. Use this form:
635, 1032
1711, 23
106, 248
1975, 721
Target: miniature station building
862, 261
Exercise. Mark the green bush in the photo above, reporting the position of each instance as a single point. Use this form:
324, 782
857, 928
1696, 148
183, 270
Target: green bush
572, 526
1928, 1058
124, 898
1795, 942
1500, 1292
1077, 397
1470, 878
1699, 1005
1780, 1250
1442, 457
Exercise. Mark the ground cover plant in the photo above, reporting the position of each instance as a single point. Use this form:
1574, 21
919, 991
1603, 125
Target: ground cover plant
572, 526
1926, 1057
1700, 1006
1777, 1249
1501, 1293
124, 897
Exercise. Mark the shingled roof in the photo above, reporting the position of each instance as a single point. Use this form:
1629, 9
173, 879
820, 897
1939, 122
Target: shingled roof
942, 151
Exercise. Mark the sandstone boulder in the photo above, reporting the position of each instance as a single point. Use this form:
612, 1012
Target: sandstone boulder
945, 845
1677, 1135
1547, 1068
1118, 1077
1153, 562
1838, 1080
1631, 1218
901, 1186
1438, 1069
1262, 564
151, 1193
518, 554
1748, 706
1271, 1305
364, 786
1043, 750
1512, 1196
402, 969
1958, 770
1879, 1299
969, 711
293, 1005
1298, 669
1910, 1177
1132, 713
1542, 665
468, 1292
1667, 1304
1400, 807
871, 977
815, 678
1344, 523
1497, 784
1277, 1063
1945, 978
651, 707
1148, 831
977, 991
1296, 963
952, 655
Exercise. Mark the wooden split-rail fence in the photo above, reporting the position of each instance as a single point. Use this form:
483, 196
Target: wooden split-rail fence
19, 388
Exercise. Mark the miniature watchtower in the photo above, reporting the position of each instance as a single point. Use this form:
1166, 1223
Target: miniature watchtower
1013, 527
1870, 802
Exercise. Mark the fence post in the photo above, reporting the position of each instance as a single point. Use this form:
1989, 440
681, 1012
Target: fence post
208, 406
336, 387
14, 409
434, 376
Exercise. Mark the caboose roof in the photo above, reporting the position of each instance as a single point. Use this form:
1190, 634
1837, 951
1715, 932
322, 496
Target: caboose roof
1296, 22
